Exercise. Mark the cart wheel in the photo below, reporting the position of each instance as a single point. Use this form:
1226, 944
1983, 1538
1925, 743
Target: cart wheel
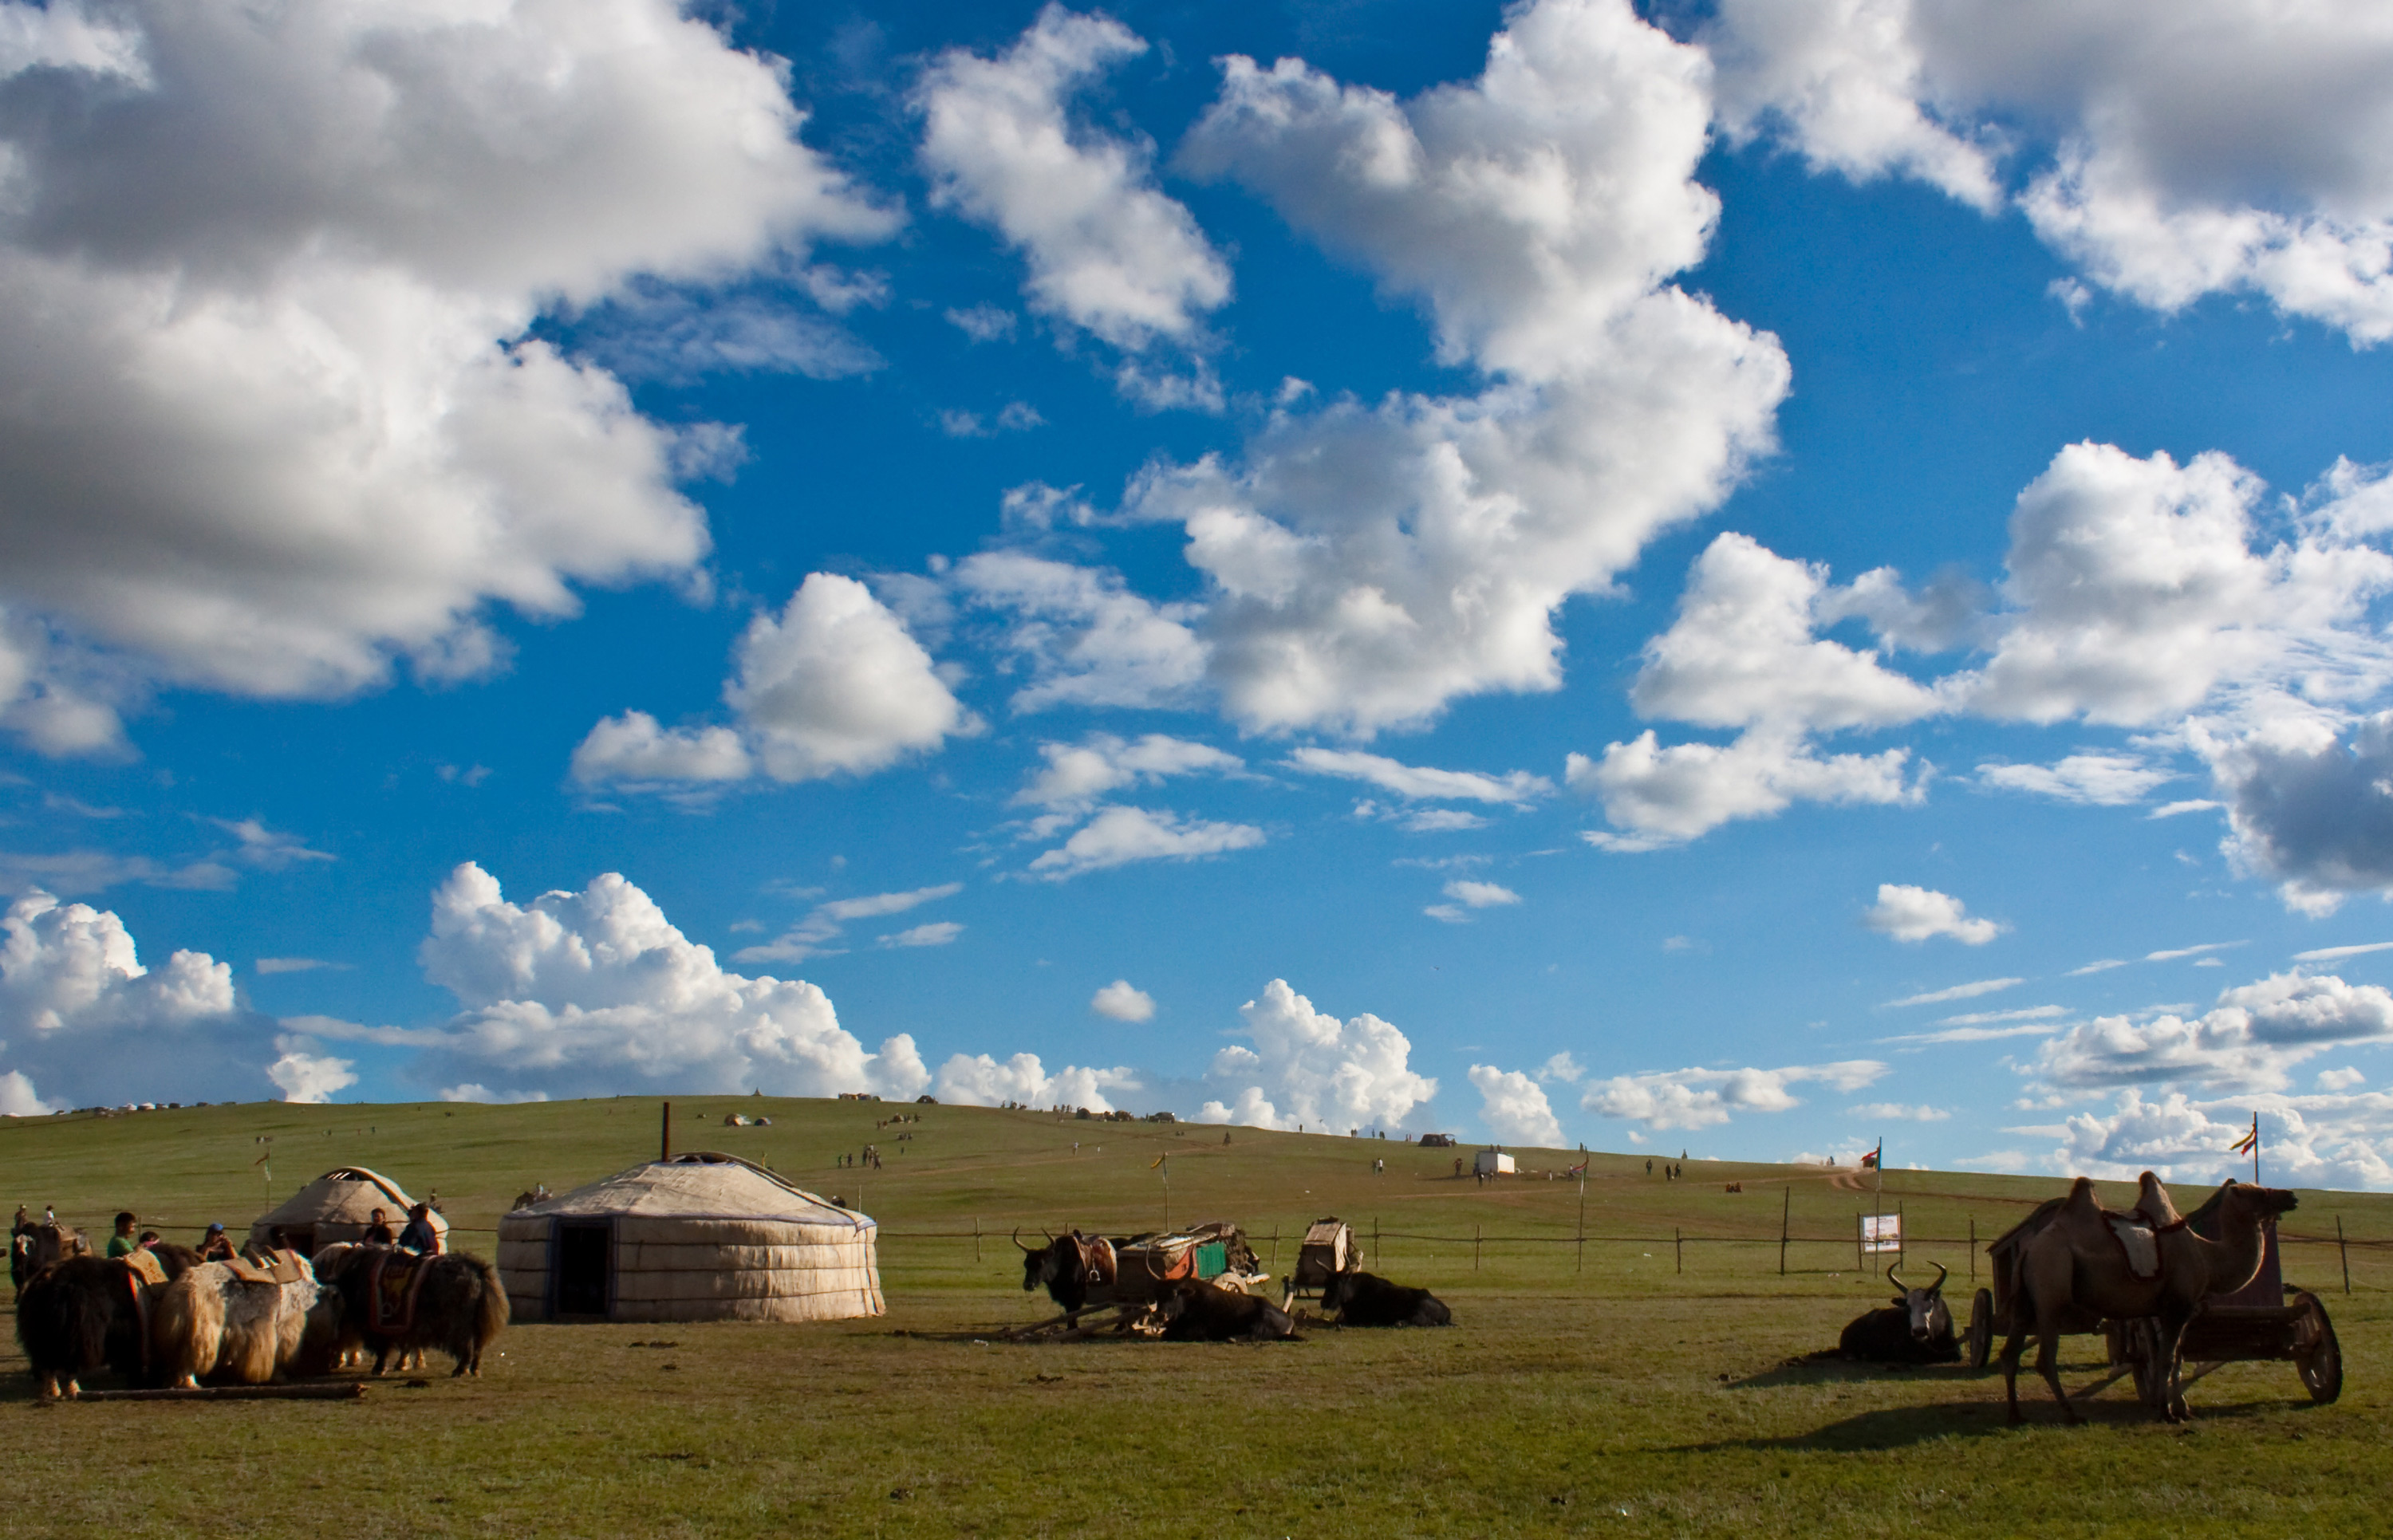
2321, 1367
2142, 1343
1982, 1328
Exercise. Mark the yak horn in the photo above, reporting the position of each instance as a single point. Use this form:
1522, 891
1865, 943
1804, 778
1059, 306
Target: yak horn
1017, 1240
1942, 1274
1895, 1276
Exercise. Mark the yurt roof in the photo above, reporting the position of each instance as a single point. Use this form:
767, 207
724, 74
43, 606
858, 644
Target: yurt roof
704, 1184
347, 1194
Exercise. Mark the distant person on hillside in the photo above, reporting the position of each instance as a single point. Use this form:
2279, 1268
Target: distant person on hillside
419, 1235
124, 1242
378, 1232
215, 1246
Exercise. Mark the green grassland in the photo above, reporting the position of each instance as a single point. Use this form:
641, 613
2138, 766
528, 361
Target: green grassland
1631, 1385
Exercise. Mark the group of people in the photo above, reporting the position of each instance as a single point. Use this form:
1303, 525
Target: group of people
217, 1245
870, 1157
1671, 1170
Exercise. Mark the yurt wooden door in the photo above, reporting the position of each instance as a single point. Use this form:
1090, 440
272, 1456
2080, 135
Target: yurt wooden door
584, 1250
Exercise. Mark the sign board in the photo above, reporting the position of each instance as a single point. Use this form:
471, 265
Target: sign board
1882, 1231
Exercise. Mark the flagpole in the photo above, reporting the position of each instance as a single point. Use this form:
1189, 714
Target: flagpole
2255, 1149
1877, 1195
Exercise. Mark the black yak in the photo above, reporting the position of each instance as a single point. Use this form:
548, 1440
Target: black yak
1200, 1312
1917, 1328
1367, 1300
453, 1302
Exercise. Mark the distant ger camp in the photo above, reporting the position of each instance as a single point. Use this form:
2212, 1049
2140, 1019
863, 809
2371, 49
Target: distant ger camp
697, 1237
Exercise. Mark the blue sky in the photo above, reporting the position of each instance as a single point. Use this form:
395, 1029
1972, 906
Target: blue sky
1743, 578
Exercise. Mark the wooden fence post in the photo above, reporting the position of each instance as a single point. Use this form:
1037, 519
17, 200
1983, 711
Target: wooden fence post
1679, 1247
1786, 1217
1375, 1238
2345, 1251
1274, 1261
1973, 1248
1901, 1255
1474, 1248
975, 1238
1858, 1264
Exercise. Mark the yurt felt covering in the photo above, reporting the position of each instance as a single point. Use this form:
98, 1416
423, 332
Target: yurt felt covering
699, 1237
338, 1206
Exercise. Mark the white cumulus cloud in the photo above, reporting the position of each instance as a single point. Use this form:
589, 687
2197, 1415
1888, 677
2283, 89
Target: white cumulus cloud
1123, 1001
979, 1080
306, 1076
2102, 780
1659, 796
1421, 782
1909, 913
269, 409
1706, 1098
1307, 1069
1118, 836
1514, 1107
586, 992
2250, 1040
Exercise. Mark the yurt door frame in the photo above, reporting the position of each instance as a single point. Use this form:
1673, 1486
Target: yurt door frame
582, 1248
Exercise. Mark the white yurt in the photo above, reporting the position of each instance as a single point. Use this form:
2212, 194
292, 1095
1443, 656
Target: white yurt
338, 1207
698, 1237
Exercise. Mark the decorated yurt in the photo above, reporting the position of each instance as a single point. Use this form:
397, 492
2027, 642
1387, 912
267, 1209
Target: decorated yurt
698, 1237
338, 1207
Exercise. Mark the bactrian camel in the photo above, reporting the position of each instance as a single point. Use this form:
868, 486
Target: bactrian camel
2076, 1265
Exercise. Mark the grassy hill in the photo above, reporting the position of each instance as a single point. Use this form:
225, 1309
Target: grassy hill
1582, 1383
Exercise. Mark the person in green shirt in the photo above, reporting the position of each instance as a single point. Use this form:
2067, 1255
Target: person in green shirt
124, 1243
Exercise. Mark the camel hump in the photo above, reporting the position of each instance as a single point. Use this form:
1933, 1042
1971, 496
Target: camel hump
2081, 1199
2154, 1202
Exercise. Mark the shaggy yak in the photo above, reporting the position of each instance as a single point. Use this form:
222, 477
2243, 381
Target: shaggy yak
1201, 1313
1367, 1300
35, 1246
453, 1302
78, 1315
213, 1323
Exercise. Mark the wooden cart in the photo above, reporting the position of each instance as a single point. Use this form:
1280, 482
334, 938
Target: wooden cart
2262, 1321
1329, 1248
1127, 1275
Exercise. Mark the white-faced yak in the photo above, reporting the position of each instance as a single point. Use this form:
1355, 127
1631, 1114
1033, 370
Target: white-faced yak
1367, 1300
242, 1322
1917, 1328
394, 1301
1201, 1313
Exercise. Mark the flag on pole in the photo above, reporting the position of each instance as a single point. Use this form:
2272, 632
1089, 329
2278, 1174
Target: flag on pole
1160, 1159
1870, 1160
2249, 1142
1579, 1169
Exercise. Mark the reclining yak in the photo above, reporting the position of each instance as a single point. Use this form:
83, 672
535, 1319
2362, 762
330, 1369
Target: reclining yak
1202, 1312
1917, 1328
1367, 1300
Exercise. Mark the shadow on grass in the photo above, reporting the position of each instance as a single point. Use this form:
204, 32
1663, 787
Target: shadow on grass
1831, 1369
1902, 1427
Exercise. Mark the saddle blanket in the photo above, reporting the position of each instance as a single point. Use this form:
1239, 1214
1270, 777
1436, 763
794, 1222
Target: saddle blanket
393, 1286
147, 1268
2143, 1248
284, 1269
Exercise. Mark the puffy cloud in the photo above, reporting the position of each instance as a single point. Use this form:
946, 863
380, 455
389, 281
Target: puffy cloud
1076, 774
18, 1098
1514, 1108
474, 1090
82, 1018
834, 685
837, 685
2134, 594
2310, 804
1844, 81
1420, 782
2174, 149
1368, 563
583, 991
1742, 652
2340, 1079
981, 1081
813, 935
2102, 780
1118, 836
1087, 640
2250, 1040
305, 1076
1108, 252
632, 750
272, 415
1470, 896
1122, 1001
1311, 1070
1909, 913
1665, 796
2322, 1140
1706, 1098
1561, 1067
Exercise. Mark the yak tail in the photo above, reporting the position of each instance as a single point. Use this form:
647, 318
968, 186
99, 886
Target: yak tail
186, 1329
495, 1312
